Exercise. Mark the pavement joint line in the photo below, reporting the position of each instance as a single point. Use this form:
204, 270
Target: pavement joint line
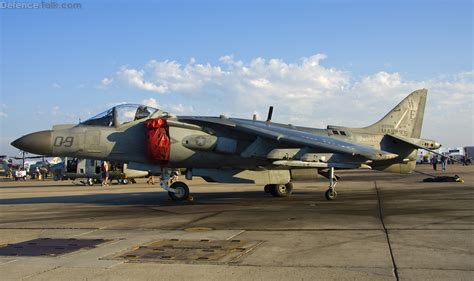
182, 227
439, 269
52, 228
91, 231
115, 264
291, 266
235, 235
39, 273
395, 270
450, 219
7, 262
247, 229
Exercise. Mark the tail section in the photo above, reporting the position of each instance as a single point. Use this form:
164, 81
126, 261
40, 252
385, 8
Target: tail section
405, 119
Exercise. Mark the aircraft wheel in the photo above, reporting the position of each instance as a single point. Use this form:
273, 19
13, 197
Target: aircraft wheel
267, 188
125, 181
181, 191
330, 194
281, 190
90, 181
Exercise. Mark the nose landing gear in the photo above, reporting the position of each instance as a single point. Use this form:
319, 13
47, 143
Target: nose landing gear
331, 193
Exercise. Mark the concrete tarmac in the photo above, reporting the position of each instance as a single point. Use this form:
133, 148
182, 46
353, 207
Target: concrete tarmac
381, 227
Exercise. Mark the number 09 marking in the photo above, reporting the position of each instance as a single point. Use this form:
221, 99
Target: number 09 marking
62, 141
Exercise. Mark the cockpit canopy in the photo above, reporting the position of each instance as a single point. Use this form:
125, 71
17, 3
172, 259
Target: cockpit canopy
121, 114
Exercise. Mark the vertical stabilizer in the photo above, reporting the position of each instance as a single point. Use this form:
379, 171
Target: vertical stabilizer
405, 119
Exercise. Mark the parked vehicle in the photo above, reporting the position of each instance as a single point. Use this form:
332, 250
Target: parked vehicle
20, 174
89, 170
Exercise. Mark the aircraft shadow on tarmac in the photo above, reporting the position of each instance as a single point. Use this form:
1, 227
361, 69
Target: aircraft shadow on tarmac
32, 185
245, 207
437, 191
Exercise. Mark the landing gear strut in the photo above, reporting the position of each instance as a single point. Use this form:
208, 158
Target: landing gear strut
177, 191
331, 193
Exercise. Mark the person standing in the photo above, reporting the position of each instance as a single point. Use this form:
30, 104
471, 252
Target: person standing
444, 162
38, 173
174, 176
105, 173
151, 178
434, 161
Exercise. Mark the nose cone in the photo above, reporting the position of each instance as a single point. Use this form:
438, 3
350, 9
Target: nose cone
37, 143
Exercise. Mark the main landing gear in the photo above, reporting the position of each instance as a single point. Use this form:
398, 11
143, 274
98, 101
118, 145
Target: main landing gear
331, 193
279, 190
177, 191
180, 191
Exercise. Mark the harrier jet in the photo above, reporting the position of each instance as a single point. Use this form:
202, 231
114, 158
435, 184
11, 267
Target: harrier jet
232, 150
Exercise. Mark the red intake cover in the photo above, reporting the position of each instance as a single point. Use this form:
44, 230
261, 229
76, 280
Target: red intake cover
158, 148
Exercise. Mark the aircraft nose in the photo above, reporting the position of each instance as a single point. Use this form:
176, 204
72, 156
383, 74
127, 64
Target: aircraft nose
37, 143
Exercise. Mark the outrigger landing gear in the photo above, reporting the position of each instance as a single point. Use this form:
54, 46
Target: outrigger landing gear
331, 193
178, 191
279, 190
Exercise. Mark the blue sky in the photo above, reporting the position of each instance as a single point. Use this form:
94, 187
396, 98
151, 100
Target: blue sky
61, 65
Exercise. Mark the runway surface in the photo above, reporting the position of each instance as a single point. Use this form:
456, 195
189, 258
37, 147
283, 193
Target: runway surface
381, 227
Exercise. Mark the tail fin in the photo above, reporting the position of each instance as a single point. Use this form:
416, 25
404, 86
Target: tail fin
405, 119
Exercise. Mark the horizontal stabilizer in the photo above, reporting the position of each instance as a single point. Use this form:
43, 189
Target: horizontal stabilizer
417, 143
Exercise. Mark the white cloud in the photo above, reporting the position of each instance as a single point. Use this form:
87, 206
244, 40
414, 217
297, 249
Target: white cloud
135, 79
151, 102
56, 86
181, 109
105, 83
303, 92
173, 108
56, 110
379, 83
3, 114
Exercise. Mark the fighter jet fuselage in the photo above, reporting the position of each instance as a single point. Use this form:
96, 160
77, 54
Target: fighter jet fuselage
227, 149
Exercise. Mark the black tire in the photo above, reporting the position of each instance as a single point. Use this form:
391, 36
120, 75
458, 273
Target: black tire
330, 194
90, 181
182, 191
281, 190
267, 188
125, 181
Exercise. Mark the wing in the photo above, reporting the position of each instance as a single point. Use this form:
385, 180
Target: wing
291, 136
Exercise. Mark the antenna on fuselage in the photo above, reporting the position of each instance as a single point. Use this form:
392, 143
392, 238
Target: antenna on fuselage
269, 117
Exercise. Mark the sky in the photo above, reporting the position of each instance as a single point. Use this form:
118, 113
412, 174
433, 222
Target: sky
318, 63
